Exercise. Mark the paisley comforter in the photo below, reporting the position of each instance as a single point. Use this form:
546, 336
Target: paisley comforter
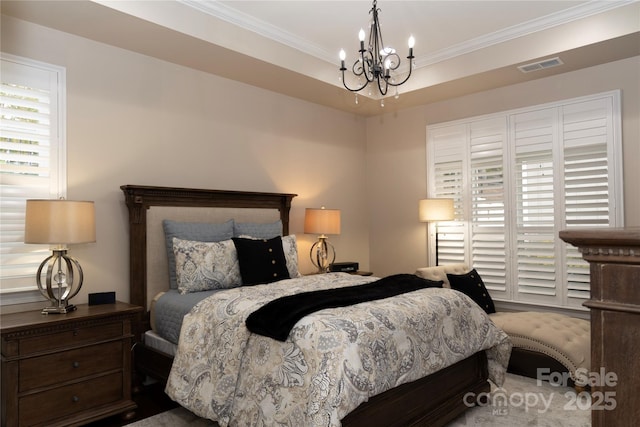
332, 361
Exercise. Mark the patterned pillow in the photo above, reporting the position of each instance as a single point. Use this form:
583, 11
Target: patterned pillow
472, 285
202, 266
203, 232
261, 261
290, 248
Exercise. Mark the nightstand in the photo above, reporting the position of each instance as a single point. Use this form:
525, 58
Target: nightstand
67, 369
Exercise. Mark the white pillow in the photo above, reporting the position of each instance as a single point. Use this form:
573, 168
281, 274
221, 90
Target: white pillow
203, 266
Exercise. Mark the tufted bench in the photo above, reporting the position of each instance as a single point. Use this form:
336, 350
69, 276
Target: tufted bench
540, 339
563, 338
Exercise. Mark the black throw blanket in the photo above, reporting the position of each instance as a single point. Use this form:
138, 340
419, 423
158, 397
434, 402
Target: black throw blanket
276, 318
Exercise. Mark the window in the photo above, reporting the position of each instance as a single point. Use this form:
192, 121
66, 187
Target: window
517, 179
32, 164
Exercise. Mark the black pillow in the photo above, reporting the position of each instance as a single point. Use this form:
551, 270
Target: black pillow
472, 285
261, 260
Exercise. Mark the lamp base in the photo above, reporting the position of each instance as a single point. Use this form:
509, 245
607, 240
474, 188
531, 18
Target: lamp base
59, 310
322, 254
59, 267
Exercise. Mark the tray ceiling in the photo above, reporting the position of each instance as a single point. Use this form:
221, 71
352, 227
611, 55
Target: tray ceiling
291, 47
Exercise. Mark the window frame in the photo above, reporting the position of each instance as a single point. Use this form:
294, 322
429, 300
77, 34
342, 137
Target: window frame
443, 137
22, 289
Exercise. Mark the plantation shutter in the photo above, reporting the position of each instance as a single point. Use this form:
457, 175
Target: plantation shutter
488, 220
518, 178
31, 164
447, 150
587, 132
535, 135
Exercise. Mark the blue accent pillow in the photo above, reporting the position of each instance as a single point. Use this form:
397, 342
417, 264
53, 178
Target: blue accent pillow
198, 231
258, 230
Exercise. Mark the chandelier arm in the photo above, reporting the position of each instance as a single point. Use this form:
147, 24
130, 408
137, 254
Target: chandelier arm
344, 83
393, 64
410, 58
386, 87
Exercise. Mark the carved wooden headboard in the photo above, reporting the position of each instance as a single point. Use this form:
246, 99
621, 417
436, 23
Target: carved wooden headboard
187, 204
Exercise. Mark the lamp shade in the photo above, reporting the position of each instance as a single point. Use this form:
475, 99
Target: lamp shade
59, 222
322, 221
436, 210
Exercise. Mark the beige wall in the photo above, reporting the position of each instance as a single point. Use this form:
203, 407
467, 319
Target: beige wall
396, 154
133, 119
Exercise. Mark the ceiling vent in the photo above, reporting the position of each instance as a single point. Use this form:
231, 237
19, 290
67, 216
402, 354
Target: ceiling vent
540, 65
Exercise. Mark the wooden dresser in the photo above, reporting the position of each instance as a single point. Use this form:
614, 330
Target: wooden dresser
67, 369
614, 257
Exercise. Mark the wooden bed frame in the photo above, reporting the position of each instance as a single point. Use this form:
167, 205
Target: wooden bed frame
431, 401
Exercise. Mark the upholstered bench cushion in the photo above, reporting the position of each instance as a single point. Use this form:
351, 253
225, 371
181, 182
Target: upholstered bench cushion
440, 272
565, 339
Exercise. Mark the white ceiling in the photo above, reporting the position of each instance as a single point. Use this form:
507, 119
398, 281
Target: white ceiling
438, 26
292, 46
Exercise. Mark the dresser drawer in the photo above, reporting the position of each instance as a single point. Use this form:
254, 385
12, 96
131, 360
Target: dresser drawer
69, 338
69, 365
67, 370
63, 401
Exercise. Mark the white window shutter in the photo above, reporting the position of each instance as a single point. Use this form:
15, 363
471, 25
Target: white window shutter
556, 166
488, 220
588, 202
31, 160
534, 135
447, 180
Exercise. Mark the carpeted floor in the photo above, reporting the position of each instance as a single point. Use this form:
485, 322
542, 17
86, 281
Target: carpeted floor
519, 402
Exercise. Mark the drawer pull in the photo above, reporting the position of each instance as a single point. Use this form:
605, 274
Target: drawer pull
76, 364
75, 399
75, 332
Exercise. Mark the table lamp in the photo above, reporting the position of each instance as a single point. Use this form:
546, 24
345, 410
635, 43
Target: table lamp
322, 222
59, 223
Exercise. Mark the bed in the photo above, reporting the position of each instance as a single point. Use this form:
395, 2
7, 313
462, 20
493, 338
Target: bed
433, 399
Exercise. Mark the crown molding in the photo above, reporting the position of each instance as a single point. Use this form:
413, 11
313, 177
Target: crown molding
277, 34
530, 27
258, 26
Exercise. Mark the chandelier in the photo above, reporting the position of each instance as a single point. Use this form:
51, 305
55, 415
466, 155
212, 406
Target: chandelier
377, 62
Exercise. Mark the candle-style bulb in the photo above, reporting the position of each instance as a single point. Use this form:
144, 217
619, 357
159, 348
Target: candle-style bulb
343, 55
361, 35
412, 42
